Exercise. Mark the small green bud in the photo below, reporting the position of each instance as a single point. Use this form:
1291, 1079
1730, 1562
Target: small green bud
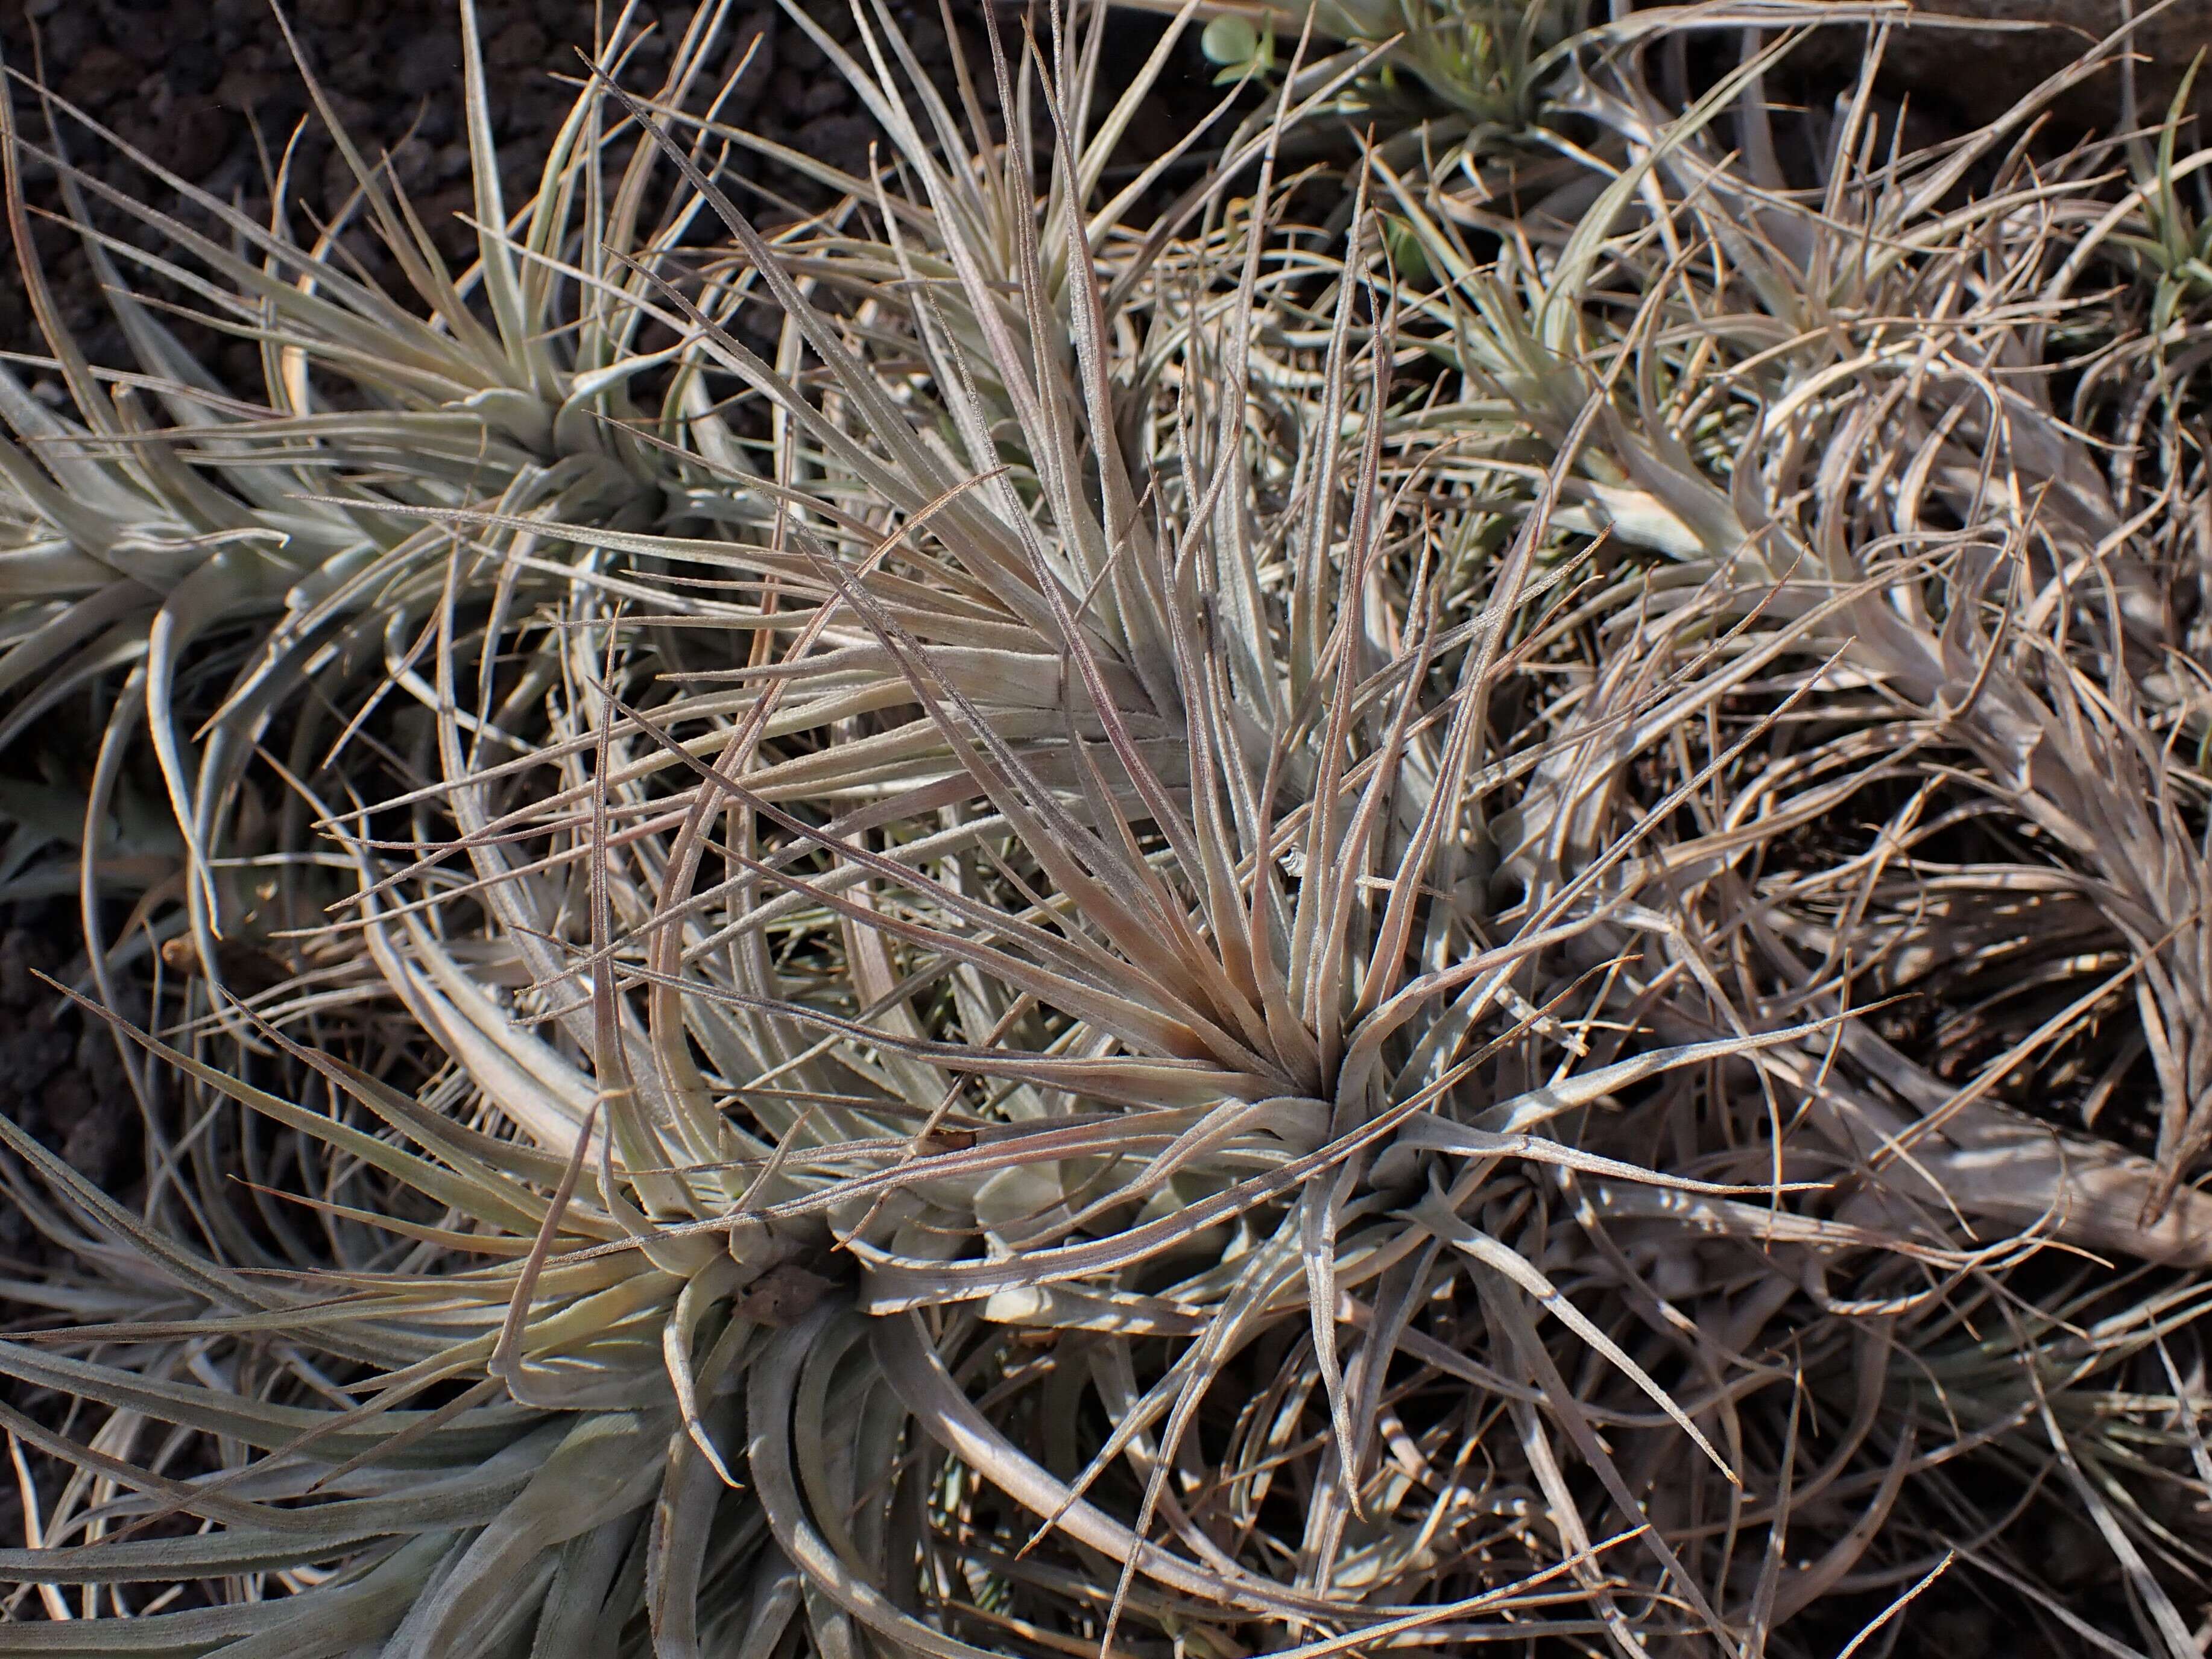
1406, 256
1231, 42
1240, 46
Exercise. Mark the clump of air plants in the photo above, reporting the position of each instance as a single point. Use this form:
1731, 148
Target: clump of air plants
196, 571
1904, 443
1193, 940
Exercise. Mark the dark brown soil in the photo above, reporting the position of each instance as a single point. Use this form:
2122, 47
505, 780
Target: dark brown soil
210, 90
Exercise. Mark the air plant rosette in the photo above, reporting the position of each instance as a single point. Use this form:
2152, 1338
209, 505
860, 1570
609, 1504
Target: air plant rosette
1172, 941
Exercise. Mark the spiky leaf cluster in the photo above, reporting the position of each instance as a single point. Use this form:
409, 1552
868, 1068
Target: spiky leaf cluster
1161, 940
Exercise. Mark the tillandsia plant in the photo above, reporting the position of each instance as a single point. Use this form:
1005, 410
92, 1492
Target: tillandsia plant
1046, 682
1486, 62
1171, 957
1976, 564
169, 528
1096, 1016
1467, 79
2167, 231
1976, 519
